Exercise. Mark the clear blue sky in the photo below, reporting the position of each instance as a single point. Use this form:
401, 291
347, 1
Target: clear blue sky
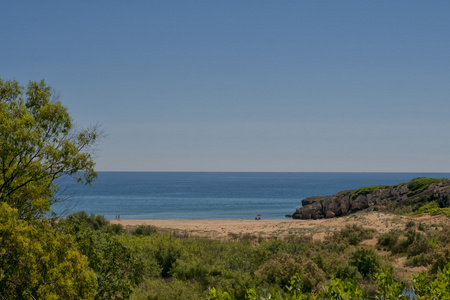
244, 85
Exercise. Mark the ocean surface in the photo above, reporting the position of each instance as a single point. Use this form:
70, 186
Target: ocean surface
210, 195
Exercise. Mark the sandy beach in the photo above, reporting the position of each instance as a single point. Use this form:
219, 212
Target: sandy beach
317, 229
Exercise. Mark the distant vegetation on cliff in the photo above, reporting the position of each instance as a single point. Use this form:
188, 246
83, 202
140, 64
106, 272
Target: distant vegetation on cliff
417, 196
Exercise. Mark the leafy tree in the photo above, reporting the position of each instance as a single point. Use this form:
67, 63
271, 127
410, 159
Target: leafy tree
39, 144
37, 262
347, 289
439, 288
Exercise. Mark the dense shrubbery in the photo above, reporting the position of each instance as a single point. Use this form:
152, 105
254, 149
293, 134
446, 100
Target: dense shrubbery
140, 263
197, 268
37, 262
423, 246
117, 269
158, 266
366, 261
423, 287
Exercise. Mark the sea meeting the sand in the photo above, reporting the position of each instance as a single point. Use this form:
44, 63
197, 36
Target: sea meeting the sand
214, 195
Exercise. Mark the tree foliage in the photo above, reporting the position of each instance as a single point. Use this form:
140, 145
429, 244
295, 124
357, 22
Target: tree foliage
337, 289
38, 144
37, 262
117, 269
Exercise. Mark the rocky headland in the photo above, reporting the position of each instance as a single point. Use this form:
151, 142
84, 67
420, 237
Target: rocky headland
413, 196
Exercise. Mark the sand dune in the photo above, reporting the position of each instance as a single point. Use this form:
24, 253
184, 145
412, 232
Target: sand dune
318, 229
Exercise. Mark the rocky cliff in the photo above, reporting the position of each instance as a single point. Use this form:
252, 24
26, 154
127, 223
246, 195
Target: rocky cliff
407, 197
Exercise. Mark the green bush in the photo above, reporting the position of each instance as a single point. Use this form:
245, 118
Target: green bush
436, 288
311, 276
397, 241
420, 245
441, 258
366, 261
118, 270
346, 271
419, 184
166, 255
389, 239
189, 270
115, 229
343, 289
427, 208
145, 230
83, 219
444, 235
160, 289
280, 269
388, 287
353, 234
37, 261
422, 259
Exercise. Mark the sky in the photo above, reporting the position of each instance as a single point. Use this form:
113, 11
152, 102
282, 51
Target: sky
282, 86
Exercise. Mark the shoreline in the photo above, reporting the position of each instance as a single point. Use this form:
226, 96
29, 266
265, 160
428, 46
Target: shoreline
316, 229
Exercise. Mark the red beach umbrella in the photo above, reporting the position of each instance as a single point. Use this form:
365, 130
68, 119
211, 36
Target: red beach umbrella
259, 215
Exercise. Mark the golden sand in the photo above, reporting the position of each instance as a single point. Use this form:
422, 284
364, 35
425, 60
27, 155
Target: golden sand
317, 229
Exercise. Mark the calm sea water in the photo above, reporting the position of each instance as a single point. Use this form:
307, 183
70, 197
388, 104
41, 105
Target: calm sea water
204, 195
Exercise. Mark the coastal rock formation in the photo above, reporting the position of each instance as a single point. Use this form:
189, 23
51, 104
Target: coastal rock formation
408, 196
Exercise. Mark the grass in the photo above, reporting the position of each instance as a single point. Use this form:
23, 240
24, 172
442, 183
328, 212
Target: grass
363, 191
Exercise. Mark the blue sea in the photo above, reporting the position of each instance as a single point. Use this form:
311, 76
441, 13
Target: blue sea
210, 195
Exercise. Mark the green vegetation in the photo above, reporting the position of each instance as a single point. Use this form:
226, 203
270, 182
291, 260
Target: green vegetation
169, 267
363, 191
418, 201
420, 184
353, 234
37, 262
422, 287
423, 246
38, 145
433, 209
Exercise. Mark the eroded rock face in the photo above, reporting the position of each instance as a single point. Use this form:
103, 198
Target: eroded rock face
349, 202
